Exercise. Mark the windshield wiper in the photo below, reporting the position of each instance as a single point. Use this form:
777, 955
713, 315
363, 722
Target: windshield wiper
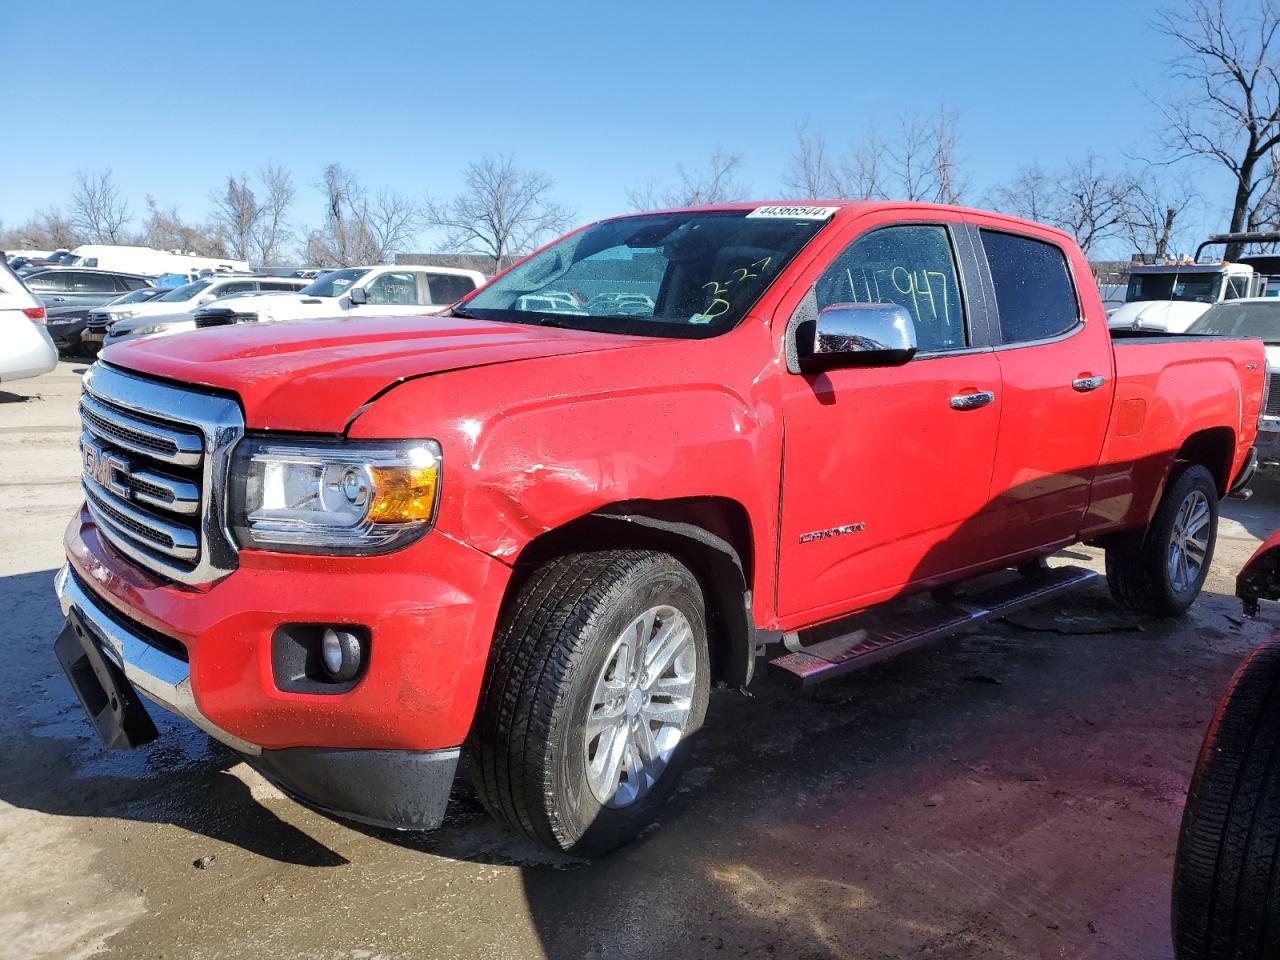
463, 312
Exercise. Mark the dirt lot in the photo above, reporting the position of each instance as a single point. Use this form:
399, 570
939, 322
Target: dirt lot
1011, 793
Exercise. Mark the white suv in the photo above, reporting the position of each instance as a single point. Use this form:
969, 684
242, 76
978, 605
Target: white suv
360, 291
26, 349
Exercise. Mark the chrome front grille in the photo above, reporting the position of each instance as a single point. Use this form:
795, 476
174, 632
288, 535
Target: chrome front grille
1273, 395
155, 460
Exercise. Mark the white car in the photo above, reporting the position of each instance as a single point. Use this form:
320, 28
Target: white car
26, 349
174, 312
1254, 317
360, 291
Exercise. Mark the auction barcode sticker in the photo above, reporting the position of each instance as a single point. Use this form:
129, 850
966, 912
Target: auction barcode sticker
794, 213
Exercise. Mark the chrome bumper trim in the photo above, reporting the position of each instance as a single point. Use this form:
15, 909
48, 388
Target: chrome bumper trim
163, 678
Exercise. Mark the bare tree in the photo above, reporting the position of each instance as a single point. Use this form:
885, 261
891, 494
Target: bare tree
49, 229
1083, 198
272, 231
809, 173
1032, 194
166, 230
1155, 209
502, 211
921, 162
1093, 203
236, 214
717, 182
98, 212
359, 229
1228, 108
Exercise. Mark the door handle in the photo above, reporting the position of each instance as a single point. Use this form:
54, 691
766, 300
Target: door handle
972, 401
1085, 384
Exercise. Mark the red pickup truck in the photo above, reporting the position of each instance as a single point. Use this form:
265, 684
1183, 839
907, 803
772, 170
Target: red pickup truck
535, 530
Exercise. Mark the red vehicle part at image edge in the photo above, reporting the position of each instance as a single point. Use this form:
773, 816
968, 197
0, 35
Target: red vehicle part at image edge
753, 419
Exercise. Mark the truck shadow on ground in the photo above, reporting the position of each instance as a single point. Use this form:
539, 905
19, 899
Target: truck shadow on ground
51, 761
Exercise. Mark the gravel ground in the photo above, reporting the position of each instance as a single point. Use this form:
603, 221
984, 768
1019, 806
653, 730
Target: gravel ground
1011, 793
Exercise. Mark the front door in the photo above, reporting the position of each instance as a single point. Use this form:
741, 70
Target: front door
886, 470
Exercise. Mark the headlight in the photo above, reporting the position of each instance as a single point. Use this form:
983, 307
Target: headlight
331, 496
123, 314
145, 331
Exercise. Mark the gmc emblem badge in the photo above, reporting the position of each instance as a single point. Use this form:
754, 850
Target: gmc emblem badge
106, 468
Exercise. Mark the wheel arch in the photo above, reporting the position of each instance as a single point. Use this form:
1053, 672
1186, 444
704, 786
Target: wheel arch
1213, 448
710, 535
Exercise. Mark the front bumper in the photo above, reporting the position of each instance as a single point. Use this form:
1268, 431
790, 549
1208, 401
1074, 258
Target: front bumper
383, 752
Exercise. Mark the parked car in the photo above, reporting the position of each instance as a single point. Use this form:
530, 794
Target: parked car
1254, 317
174, 310
365, 291
25, 347
1226, 875
66, 325
59, 258
540, 535
72, 288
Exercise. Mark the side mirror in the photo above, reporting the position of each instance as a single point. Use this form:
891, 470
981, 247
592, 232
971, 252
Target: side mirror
857, 335
357, 296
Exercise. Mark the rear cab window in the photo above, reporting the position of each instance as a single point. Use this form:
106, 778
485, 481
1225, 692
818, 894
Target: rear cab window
1035, 295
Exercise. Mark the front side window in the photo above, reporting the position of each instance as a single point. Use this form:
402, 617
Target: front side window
231, 289
1034, 294
691, 274
188, 291
48, 281
398, 289
911, 265
334, 283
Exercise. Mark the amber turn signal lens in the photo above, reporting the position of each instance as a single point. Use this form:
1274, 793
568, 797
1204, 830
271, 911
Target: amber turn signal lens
404, 494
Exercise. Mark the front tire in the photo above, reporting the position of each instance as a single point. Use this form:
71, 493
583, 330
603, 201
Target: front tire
1162, 574
1226, 881
598, 680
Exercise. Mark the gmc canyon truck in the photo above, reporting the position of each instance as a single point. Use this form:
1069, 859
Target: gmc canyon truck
535, 530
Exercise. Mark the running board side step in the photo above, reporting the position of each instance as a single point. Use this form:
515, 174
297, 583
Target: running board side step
808, 665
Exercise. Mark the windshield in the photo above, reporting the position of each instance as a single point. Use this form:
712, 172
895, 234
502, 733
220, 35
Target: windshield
333, 284
185, 292
1194, 287
1261, 320
690, 274
135, 296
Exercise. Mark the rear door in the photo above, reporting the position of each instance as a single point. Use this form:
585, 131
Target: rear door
886, 469
1057, 377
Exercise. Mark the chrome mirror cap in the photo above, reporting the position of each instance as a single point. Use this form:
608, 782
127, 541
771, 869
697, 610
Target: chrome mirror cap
857, 335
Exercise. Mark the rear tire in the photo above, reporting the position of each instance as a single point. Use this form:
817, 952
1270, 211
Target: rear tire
1226, 881
1162, 573
576, 678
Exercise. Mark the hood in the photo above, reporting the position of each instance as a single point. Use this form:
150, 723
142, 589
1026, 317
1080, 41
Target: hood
1173, 316
313, 375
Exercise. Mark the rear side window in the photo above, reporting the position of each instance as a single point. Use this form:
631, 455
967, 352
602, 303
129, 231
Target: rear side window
92, 283
398, 289
1034, 294
910, 265
448, 287
134, 283
277, 286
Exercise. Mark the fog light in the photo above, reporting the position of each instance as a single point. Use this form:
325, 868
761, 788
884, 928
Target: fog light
340, 654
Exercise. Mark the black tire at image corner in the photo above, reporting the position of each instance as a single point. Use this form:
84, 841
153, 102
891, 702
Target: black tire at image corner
1226, 880
1138, 568
550, 647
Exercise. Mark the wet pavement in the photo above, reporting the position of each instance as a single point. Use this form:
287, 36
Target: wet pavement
1012, 793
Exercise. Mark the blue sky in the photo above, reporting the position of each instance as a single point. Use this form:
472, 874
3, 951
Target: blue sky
600, 96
